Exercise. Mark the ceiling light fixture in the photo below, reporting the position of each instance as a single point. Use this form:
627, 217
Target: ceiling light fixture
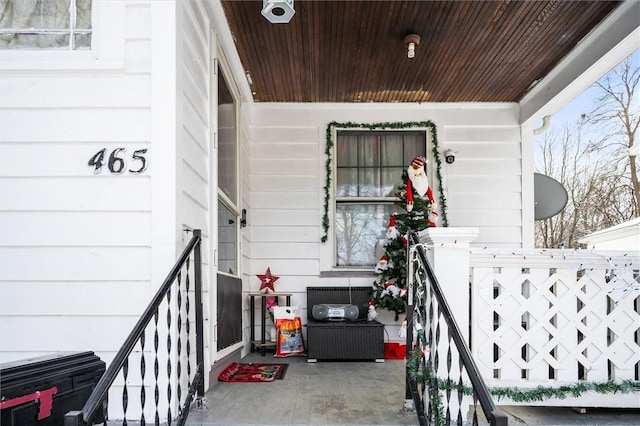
411, 41
278, 11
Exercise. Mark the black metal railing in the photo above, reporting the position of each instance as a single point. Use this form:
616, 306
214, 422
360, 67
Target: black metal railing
175, 331
444, 390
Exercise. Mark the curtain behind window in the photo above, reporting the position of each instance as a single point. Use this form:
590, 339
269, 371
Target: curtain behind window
372, 165
45, 24
369, 169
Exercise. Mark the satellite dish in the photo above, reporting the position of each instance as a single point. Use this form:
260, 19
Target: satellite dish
549, 195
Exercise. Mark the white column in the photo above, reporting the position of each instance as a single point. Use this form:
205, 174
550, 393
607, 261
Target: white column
448, 253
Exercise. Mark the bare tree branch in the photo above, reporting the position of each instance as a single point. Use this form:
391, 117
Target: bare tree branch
592, 160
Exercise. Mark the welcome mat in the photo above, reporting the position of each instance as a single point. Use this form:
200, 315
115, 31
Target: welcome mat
237, 372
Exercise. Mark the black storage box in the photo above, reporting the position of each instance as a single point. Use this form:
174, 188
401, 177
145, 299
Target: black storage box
343, 340
40, 391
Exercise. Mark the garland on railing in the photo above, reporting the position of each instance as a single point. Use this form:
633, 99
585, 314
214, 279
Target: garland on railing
378, 126
542, 393
537, 394
428, 378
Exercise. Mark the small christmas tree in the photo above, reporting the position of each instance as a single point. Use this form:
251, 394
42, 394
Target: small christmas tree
415, 198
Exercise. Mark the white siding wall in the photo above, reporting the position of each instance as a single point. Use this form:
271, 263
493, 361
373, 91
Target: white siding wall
287, 169
195, 115
484, 184
75, 247
194, 145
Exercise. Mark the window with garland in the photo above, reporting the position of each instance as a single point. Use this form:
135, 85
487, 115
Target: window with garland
369, 167
45, 24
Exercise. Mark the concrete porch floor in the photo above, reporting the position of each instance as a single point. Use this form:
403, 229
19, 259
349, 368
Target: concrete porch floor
322, 393
352, 393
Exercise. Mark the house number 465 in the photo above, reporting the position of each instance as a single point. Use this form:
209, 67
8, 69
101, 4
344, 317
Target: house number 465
116, 162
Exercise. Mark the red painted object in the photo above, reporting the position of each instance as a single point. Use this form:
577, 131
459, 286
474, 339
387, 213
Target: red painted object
45, 397
40, 391
395, 351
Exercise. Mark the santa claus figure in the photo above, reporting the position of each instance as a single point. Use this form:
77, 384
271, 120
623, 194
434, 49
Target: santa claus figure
418, 182
432, 219
372, 314
402, 333
392, 231
383, 264
390, 289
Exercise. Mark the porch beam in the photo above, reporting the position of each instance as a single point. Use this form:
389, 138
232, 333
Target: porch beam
607, 45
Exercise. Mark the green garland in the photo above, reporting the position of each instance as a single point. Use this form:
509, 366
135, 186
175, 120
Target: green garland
379, 126
431, 381
542, 393
537, 394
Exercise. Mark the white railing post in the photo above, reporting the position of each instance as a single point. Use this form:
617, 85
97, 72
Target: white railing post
448, 252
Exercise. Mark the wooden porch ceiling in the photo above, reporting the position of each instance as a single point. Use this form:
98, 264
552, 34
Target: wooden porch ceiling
353, 51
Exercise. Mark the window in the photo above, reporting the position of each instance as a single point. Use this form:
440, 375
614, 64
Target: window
45, 24
227, 144
227, 179
369, 168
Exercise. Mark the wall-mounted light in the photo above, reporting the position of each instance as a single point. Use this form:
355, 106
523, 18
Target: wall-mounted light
243, 218
411, 41
278, 11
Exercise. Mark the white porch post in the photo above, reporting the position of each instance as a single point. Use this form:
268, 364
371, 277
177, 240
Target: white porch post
448, 253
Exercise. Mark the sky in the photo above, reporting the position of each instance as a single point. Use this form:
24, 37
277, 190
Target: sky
585, 102
570, 114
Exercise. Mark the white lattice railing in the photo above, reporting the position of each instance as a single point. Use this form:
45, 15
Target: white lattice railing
544, 326
556, 317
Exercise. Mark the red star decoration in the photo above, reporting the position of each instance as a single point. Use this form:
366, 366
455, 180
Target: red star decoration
268, 281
